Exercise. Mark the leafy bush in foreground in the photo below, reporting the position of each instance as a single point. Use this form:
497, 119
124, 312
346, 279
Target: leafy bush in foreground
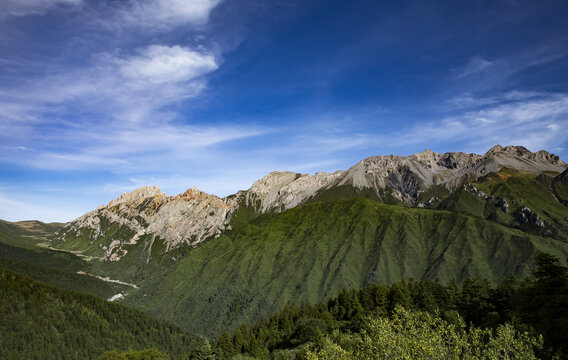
421, 335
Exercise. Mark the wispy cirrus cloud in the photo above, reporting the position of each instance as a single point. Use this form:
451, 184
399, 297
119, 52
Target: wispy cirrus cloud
469, 101
483, 73
119, 109
163, 14
134, 147
535, 120
33, 7
121, 84
474, 66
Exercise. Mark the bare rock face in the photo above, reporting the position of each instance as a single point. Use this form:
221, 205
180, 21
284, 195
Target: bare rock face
191, 217
188, 218
279, 191
138, 194
407, 176
527, 216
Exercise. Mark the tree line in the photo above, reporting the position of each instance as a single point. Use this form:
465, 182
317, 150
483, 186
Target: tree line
531, 306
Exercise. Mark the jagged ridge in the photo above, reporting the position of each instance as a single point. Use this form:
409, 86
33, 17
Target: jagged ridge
194, 216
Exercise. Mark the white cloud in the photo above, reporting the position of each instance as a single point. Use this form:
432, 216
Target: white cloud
537, 122
114, 115
159, 64
164, 14
481, 75
129, 88
470, 101
122, 147
474, 66
32, 7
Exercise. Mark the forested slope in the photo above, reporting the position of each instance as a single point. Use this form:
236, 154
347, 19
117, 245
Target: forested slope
419, 320
45, 322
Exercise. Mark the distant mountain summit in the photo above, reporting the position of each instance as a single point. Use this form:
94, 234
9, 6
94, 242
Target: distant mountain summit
192, 217
405, 177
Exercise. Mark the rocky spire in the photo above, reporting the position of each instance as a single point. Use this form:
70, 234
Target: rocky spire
138, 194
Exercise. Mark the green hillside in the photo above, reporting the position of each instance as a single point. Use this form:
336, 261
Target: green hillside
44, 322
560, 187
20, 254
312, 251
82, 241
515, 199
377, 320
26, 233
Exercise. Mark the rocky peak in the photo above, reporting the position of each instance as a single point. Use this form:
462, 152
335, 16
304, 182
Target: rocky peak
194, 194
284, 190
523, 152
543, 155
458, 160
273, 182
147, 213
136, 195
499, 150
517, 157
406, 176
426, 156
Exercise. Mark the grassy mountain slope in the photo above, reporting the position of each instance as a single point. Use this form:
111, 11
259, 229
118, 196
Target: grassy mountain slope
19, 253
82, 240
312, 251
505, 194
26, 233
560, 187
44, 322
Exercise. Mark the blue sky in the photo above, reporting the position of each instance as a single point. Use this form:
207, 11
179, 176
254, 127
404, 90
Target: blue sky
100, 97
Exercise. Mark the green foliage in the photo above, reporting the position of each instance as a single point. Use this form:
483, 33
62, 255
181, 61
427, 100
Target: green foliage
505, 318
22, 256
560, 187
421, 335
202, 351
543, 302
343, 192
148, 354
26, 233
44, 322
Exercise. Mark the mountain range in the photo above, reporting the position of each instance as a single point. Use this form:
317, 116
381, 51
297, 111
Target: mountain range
210, 264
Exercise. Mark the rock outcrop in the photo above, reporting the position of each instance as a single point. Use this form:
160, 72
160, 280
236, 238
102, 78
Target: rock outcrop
279, 191
188, 218
137, 195
407, 176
